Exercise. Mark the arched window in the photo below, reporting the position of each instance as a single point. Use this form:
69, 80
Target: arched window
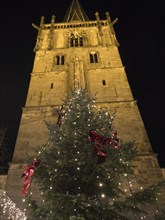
76, 41
52, 85
59, 60
93, 57
62, 60
104, 82
81, 42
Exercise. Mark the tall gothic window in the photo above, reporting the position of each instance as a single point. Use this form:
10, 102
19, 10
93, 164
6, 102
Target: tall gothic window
59, 60
93, 57
76, 41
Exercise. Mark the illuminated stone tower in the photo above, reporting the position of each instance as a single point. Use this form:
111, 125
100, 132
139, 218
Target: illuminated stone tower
78, 53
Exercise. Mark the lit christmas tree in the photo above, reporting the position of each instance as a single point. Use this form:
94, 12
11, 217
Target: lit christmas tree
84, 172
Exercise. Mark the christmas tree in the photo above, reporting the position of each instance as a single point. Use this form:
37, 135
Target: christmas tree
84, 172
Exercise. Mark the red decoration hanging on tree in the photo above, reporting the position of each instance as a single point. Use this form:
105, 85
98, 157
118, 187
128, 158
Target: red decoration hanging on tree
27, 175
99, 140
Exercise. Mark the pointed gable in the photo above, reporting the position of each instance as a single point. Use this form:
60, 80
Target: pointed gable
75, 12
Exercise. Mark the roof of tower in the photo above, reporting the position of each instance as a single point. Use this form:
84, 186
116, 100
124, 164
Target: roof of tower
75, 12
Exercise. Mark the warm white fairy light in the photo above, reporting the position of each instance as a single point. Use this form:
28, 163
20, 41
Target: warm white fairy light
9, 208
103, 195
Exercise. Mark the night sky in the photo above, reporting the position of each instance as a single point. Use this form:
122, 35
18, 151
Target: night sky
140, 32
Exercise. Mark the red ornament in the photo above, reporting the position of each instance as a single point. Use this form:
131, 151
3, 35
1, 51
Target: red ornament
27, 175
99, 140
98, 153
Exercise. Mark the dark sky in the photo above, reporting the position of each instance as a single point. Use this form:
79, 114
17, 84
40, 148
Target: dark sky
140, 32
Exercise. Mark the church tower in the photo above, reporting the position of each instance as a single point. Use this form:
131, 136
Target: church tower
78, 53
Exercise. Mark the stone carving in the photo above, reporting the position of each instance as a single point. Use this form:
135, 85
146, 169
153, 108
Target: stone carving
75, 34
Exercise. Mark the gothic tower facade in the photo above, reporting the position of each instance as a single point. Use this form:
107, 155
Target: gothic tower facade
78, 53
